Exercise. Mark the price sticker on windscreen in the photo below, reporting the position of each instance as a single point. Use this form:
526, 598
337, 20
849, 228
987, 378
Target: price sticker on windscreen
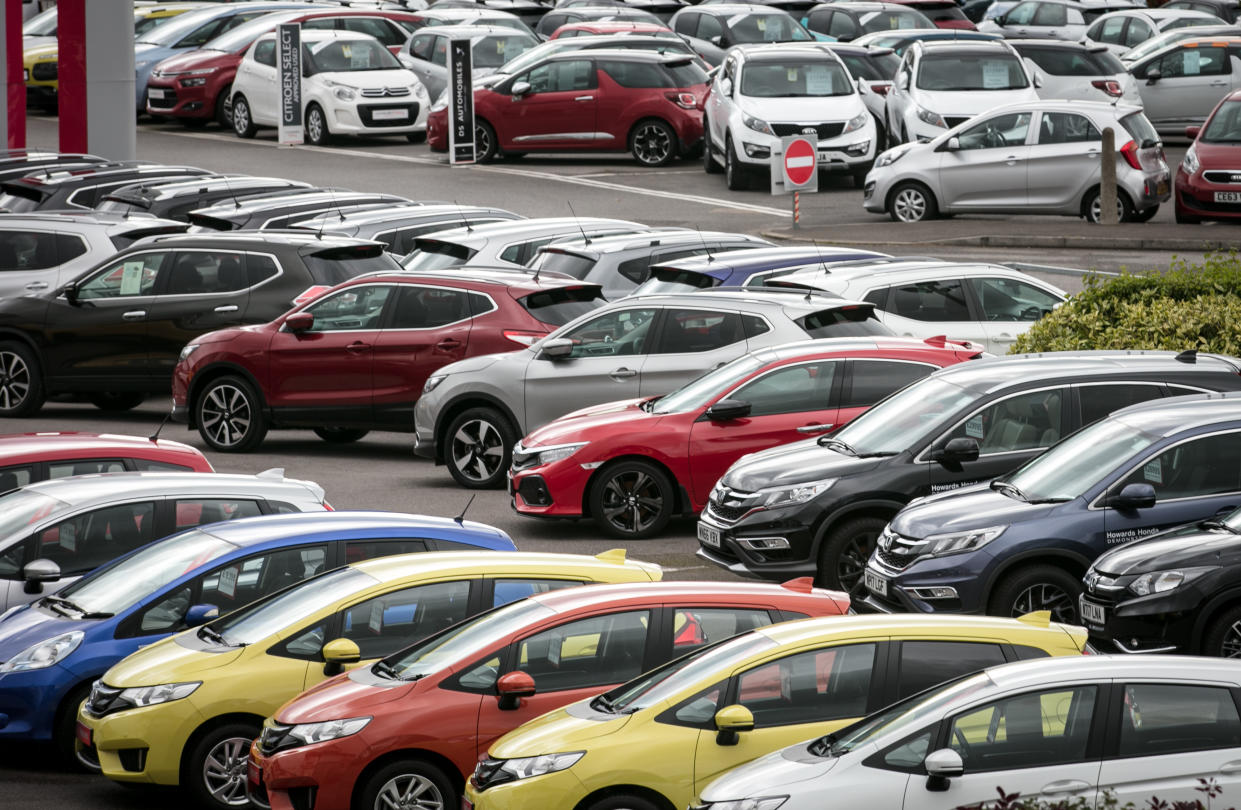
1153, 472
500, 46
1191, 61
994, 74
376, 624
818, 81
131, 278
228, 582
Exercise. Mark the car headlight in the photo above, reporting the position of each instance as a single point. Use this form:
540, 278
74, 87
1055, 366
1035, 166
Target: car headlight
797, 493
525, 767
200, 72
139, 696
892, 155
856, 123
932, 118
193, 82
44, 654
1190, 163
955, 542
1160, 581
309, 733
546, 455
757, 124
344, 93
418, 90
187, 350
433, 382
765, 803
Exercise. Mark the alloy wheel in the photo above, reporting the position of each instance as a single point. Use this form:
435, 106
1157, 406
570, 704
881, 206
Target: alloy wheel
241, 116
1230, 647
852, 563
477, 449
651, 144
409, 791
1096, 209
909, 205
632, 501
1045, 596
482, 141
14, 380
226, 414
224, 771
314, 125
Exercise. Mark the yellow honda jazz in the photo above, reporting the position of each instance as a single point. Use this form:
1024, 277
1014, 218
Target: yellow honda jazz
656, 741
184, 710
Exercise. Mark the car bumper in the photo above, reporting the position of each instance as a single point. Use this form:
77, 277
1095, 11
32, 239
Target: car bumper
1163, 623
424, 430
143, 745
287, 779
523, 794
792, 528
170, 99
909, 591
550, 490
369, 119
28, 702
875, 189
1196, 197
842, 154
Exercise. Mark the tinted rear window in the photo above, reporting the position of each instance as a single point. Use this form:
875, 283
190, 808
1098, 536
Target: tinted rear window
1065, 62
845, 322
877, 68
331, 267
568, 263
1140, 129
18, 198
649, 74
941, 12
432, 254
671, 280
558, 307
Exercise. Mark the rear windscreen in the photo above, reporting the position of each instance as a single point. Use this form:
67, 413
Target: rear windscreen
671, 280
433, 254
333, 266
558, 307
938, 13
843, 322
211, 223
18, 198
570, 264
1065, 62
124, 240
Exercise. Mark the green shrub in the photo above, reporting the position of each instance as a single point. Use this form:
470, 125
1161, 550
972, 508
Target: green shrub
1209, 789
1189, 307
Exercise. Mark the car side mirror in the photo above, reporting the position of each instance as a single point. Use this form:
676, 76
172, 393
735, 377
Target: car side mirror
36, 572
726, 86
902, 81
337, 653
941, 766
70, 292
727, 410
521, 88
1133, 496
1153, 75
956, 451
556, 348
1192, 132
299, 322
200, 614
953, 144
511, 688
730, 721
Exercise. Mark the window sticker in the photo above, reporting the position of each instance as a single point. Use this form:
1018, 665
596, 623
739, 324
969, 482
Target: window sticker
228, 582
376, 624
131, 278
500, 46
818, 82
68, 537
1191, 61
1153, 471
973, 428
994, 74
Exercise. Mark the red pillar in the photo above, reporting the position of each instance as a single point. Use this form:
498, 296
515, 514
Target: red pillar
71, 33
13, 73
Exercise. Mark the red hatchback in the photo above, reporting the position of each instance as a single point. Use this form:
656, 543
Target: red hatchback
357, 357
632, 465
434, 708
1208, 181
643, 102
29, 457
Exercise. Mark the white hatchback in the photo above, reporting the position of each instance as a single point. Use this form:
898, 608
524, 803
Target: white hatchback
351, 84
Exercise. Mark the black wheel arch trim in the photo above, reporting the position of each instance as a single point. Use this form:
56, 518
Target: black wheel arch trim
1045, 555
848, 511
1210, 610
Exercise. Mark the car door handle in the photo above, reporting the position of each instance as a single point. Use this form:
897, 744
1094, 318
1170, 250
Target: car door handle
1003, 339
815, 428
584, 98
1093, 154
448, 343
227, 308
623, 373
135, 315
1011, 159
357, 347
1231, 767
1218, 84
37, 285
1066, 786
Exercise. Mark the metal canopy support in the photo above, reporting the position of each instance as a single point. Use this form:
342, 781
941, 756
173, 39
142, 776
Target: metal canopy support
96, 78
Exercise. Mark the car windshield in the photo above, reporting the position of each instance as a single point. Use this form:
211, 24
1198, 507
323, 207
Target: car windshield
122, 584
1073, 466
349, 56
496, 50
22, 508
1225, 124
177, 27
696, 394
42, 25
958, 72
244, 35
904, 418
795, 78
466, 640
662, 683
262, 619
874, 21
745, 28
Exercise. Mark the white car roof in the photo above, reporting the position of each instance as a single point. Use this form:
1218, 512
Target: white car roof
517, 229
101, 488
845, 280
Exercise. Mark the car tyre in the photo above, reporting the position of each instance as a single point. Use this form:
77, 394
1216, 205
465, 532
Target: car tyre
224, 108
653, 143
912, 202
844, 552
340, 435
21, 381
65, 733
116, 402
410, 783
1145, 215
478, 447
215, 769
317, 132
1185, 219
859, 175
1092, 208
734, 175
229, 415
632, 500
485, 147
416, 137
708, 160
623, 802
1223, 635
1038, 587
243, 122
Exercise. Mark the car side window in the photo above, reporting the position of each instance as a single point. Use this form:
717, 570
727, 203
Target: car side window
439, 55
686, 23
597, 651
709, 27
1097, 401
13, 477
872, 380
1208, 465
1022, 14
33, 250
1195, 62
352, 308
938, 301
562, 76
190, 512
1109, 30
510, 590
429, 307
1137, 33
841, 25
197, 272
1010, 299
1157, 719
696, 627
697, 330
265, 52
64, 469
926, 663
385, 624
358, 550
878, 297
791, 389
130, 277
421, 46
808, 687
387, 33
1000, 132
1051, 14
1067, 128
1021, 422
259, 268
620, 332
87, 541
1036, 729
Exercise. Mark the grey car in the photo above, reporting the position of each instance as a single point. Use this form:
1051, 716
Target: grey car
426, 52
1181, 84
472, 411
507, 244
398, 226
712, 29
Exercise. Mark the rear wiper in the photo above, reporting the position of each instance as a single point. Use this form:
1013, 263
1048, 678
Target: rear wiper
837, 444
1219, 524
1008, 489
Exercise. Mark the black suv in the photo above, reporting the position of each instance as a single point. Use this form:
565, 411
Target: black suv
818, 506
176, 198
82, 187
115, 333
282, 209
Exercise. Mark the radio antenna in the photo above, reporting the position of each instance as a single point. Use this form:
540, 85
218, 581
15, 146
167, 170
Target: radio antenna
460, 519
705, 246
464, 221
585, 238
155, 436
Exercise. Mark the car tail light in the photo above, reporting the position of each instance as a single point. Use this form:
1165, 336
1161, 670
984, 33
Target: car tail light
523, 338
1130, 151
881, 89
328, 507
686, 101
310, 294
1109, 86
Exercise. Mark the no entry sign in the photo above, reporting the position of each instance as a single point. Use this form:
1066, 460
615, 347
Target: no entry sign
800, 162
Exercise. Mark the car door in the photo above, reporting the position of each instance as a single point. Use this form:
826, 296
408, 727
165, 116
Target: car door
32, 260
257, 74
988, 170
689, 342
559, 109
421, 49
720, 102
1051, 21
1008, 307
1018, 21
932, 307
1190, 82
436, 71
1063, 161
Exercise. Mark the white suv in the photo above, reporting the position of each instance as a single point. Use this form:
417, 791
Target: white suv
765, 92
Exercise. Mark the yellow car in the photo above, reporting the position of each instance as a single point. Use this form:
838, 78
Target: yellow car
658, 740
184, 710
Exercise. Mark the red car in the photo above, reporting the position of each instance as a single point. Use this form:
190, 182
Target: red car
357, 357
599, 28
435, 707
1208, 181
29, 457
194, 87
642, 102
632, 465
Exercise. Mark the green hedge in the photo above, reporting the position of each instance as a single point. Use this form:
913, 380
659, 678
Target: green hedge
1192, 306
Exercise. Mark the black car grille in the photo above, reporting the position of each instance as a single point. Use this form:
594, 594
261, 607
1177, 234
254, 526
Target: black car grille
1102, 590
728, 514
891, 560
824, 131
166, 103
954, 120
275, 737
103, 699
488, 773
1232, 178
367, 112
44, 71
895, 551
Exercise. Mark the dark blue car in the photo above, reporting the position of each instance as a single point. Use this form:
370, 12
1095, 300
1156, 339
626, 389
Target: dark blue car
1023, 542
52, 649
740, 268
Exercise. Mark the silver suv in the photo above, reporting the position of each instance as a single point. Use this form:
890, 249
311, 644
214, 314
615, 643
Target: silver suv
472, 411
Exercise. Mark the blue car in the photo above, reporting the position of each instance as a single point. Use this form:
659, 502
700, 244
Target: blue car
1022, 543
55, 647
741, 268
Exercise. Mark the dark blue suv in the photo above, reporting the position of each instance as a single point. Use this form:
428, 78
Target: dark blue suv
1023, 542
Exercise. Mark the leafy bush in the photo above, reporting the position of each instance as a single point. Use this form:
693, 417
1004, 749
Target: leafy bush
1189, 307
1012, 801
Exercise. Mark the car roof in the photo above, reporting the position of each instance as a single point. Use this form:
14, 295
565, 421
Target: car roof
255, 530
573, 599
401, 211
235, 239
1165, 417
189, 186
226, 208
731, 9
113, 221
623, 54
773, 51
517, 280
753, 297
868, 5
83, 490
897, 624
899, 271
519, 228
652, 238
429, 564
1000, 373
101, 173
325, 34
970, 46
1120, 110
15, 445
758, 257
1021, 674
1065, 44
473, 31
805, 349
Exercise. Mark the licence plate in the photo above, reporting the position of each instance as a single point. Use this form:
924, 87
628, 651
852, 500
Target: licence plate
708, 536
1095, 614
25, 75
1228, 196
389, 115
154, 92
875, 583
84, 733
1161, 188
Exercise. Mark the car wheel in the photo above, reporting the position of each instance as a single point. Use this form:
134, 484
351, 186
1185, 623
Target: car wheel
844, 552
1092, 207
338, 435
708, 160
317, 132
215, 771
65, 733
653, 143
859, 175
479, 448
1145, 215
224, 108
416, 137
243, 123
117, 401
410, 783
1185, 219
1038, 587
485, 149
734, 178
911, 202
1223, 636
623, 802
632, 500
21, 384
229, 416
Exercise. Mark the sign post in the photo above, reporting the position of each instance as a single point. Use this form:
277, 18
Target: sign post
289, 78
794, 169
460, 103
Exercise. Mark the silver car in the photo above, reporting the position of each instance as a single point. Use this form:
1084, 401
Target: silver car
1064, 70
1122, 30
426, 52
55, 531
472, 411
1038, 157
398, 226
1181, 84
506, 244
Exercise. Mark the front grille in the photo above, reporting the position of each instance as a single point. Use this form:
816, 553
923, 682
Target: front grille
824, 131
524, 459
955, 120
1211, 205
275, 737
488, 773
103, 699
1231, 178
166, 103
367, 113
380, 92
44, 72
895, 551
897, 561
727, 514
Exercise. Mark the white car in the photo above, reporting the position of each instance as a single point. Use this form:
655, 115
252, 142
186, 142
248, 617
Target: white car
1040, 19
943, 84
765, 92
351, 85
1122, 30
1071, 70
1051, 730
506, 244
1158, 43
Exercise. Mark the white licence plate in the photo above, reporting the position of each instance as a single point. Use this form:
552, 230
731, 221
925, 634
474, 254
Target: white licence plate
155, 92
1095, 614
1228, 196
389, 115
875, 583
708, 536
25, 75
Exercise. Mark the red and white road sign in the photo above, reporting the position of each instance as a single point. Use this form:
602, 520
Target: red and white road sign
800, 162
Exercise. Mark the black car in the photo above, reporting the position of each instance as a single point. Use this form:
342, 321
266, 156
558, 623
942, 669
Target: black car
116, 332
1175, 592
397, 226
176, 198
1226, 10
16, 163
282, 210
82, 187
962, 425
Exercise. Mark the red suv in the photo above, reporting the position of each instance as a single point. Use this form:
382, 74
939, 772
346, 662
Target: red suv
357, 357
194, 87
434, 708
1208, 181
632, 465
642, 102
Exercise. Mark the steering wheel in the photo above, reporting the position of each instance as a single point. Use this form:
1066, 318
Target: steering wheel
993, 138
1032, 313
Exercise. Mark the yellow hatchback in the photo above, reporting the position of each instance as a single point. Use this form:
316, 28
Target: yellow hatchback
658, 740
184, 710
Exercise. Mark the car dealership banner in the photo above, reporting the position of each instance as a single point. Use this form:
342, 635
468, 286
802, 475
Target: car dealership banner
460, 102
289, 78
